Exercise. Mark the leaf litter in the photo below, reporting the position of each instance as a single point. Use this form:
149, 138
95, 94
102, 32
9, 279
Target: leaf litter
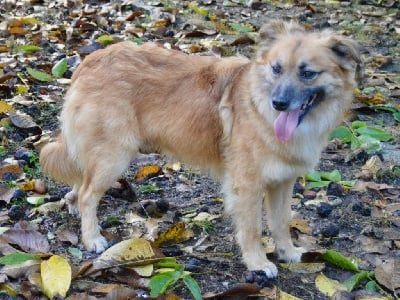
41, 45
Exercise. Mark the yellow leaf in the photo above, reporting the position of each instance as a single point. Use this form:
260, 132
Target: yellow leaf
5, 107
148, 171
328, 286
144, 271
175, 234
56, 276
28, 186
286, 296
21, 89
129, 253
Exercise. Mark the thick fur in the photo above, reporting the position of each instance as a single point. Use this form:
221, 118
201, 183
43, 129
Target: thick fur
215, 113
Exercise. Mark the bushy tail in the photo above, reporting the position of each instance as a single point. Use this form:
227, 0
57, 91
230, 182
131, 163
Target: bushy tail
56, 162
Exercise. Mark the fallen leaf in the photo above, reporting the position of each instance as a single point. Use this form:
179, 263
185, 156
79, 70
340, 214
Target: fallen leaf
56, 276
388, 274
39, 75
27, 238
130, 253
328, 286
67, 235
175, 234
303, 268
147, 172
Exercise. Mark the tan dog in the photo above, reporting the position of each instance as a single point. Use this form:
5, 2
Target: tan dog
257, 124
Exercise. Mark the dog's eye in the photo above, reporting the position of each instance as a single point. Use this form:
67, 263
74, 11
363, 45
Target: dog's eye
308, 75
276, 69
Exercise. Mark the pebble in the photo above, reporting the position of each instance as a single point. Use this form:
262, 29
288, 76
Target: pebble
330, 230
25, 155
18, 195
16, 213
324, 209
335, 189
192, 265
40, 186
298, 188
309, 194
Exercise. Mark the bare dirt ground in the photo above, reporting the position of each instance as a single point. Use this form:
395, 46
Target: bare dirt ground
360, 222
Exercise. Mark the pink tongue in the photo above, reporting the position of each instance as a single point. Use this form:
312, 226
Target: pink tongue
285, 124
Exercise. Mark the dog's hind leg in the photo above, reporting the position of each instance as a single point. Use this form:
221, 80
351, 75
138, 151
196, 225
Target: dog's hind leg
101, 170
277, 200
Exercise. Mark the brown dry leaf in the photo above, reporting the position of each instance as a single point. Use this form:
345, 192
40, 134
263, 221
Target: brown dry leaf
6, 192
388, 274
130, 253
67, 235
239, 291
121, 292
147, 172
11, 168
176, 234
27, 238
300, 224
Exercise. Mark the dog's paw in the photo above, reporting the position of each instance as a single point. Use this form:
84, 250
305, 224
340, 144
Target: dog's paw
270, 270
72, 201
292, 255
98, 244
260, 278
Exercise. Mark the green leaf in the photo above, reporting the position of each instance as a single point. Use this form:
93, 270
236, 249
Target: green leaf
193, 287
358, 124
105, 39
376, 133
347, 183
369, 143
338, 260
39, 75
355, 143
313, 176
149, 189
167, 262
396, 116
17, 258
27, 48
342, 133
75, 252
355, 280
59, 68
242, 28
387, 108
317, 184
372, 286
334, 176
161, 282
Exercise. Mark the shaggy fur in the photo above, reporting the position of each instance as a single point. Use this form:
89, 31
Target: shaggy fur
217, 113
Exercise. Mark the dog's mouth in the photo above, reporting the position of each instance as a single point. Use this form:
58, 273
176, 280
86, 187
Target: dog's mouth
287, 121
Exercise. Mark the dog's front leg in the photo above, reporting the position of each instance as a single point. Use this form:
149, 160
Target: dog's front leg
277, 200
244, 203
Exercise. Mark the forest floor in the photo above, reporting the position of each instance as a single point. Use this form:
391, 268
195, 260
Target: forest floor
351, 205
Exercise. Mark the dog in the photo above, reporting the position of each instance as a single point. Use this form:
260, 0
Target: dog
257, 124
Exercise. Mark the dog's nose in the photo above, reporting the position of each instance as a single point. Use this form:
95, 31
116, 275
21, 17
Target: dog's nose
280, 105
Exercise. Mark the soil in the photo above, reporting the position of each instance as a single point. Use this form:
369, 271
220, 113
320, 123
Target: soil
356, 222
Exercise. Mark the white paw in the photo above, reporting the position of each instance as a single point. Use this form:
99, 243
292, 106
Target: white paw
72, 201
271, 271
98, 244
292, 255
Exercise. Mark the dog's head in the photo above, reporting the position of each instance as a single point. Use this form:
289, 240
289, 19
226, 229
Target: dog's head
302, 71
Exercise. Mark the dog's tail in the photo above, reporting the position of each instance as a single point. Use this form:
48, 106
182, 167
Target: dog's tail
56, 162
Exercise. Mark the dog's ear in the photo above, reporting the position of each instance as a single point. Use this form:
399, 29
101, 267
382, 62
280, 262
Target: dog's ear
271, 31
347, 53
